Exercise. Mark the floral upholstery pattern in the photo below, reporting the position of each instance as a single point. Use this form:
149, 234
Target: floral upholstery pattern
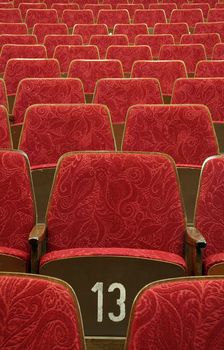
3, 98
42, 29
52, 41
112, 17
210, 27
5, 136
13, 28
10, 16
189, 16
60, 7
34, 16
218, 52
114, 3
167, 7
206, 69
209, 40
176, 29
216, 15
150, 17
17, 39
95, 8
155, 42
131, 8
203, 6
87, 30
24, 7
72, 17
104, 41
131, 30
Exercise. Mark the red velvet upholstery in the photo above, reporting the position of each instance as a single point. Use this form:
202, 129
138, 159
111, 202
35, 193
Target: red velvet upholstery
52, 41
204, 6
154, 41
131, 30
5, 135
60, 7
72, 17
179, 3
110, 204
87, 30
17, 39
17, 2
120, 94
18, 69
185, 132
3, 98
41, 91
20, 51
104, 41
218, 52
112, 17
10, 16
114, 3
210, 27
51, 130
129, 54
34, 16
82, 3
6, 5
150, 17
210, 2
38, 313
96, 8
209, 217
209, 40
13, 28
216, 15
24, 7
131, 8
219, 5
176, 29
165, 71
178, 314
66, 53
17, 203
191, 54
90, 71
189, 16
207, 91
51, 2
207, 69
42, 29
167, 7
146, 3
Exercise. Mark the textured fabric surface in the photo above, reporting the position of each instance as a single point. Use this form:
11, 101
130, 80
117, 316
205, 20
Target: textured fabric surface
95, 8
150, 17
42, 29
17, 39
87, 30
52, 130
131, 8
10, 16
179, 315
18, 69
167, 7
5, 137
34, 16
60, 7
104, 41
131, 30
216, 15
191, 54
17, 209
209, 40
38, 314
154, 41
82, 3
218, 52
129, 54
203, 6
114, 3
72, 17
213, 259
210, 27
41, 91
116, 201
90, 71
189, 16
165, 71
184, 132
176, 29
51, 2
112, 17
13, 28
207, 91
66, 53
52, 41
209, 69
24, 7
120, 94
17, 253
3, 98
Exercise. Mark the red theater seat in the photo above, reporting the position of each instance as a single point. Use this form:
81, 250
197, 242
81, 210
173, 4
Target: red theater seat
209, 69
131, 8
87, 30
13, 28
52, 41
150, 17
34, 16
24, 7
60, 7
167, 7
210, 27
5, 134
95, 8
131, 30
43, 29
10, 15
189, 16
199, 5
155, 42
17, 39
176, 29
218, 52
209, 40
72, 17
104, 41
112, 17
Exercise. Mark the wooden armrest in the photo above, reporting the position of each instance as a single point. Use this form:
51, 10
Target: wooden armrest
37, 240
38, 233
195, 238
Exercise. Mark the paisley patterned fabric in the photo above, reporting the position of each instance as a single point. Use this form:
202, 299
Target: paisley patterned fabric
131, 30
34, 16
155, 42
10, 16
18, 69
129, 54
115, 200
16, 3
87, 30
210, 27
13, 28
207, 91
209, 40
112, 17
17, 203
72, 17
146, 3
150, 17
17, 39
176, 29
41, 91
52, 41
206, 69
38, 313
104, 41
167, 7
184, 132
24, 7
3, 98
218, 52
82, 3
20, 51
5, 135
114, 3
178, 314
203, 6
189, 16
52, 130
66, 53
63, 6
42, 29
131, 8
90, 71
120, 94
96, 8
191, 54
165, 71
51, 2
125, 252
216, 15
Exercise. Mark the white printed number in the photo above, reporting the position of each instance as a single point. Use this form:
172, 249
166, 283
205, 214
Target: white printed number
98, 288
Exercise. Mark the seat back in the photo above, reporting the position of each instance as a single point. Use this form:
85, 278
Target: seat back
114, 3
112, 17
176, 29
82, 3
72, 17
207, 69
167, 7
210, 27
216, 15
204, 6
24, 7
13, 28
42, 29
87, 30
150, 17
5, 134
34, 16
104, 41
131, 8
209, 40
52, 41
17, 39
131, 30
10, 16
60, 7
189, 16
218, 52
95, 8
3, 96
155, 42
